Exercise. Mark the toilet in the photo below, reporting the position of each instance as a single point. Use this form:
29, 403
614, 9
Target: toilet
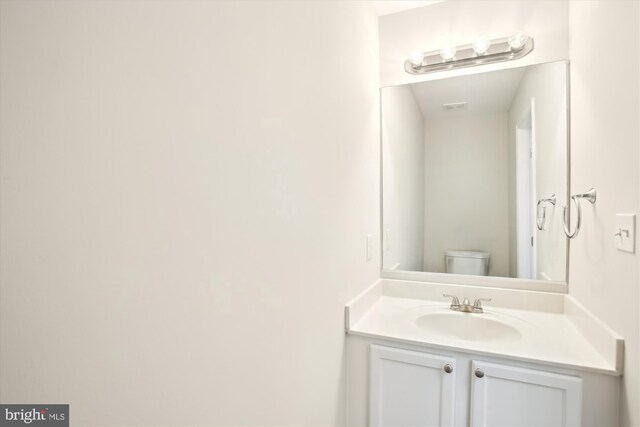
467, 262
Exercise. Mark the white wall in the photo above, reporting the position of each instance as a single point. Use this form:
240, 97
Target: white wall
546, 84
457, 22
403, 179
186, 189
605, 111
467, 208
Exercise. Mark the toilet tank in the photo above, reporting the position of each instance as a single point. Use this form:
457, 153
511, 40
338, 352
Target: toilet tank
467, 262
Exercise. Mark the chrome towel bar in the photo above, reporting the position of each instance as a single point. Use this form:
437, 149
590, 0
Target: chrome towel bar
590, 196
541, 214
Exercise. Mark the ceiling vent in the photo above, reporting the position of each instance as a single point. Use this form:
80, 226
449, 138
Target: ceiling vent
454, 106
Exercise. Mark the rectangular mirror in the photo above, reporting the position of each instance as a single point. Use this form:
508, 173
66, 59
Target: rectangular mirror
475, 174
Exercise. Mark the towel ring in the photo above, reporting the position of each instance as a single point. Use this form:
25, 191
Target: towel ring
590, 196
540, 221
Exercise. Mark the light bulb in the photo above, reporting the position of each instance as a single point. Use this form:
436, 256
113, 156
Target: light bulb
481, 45
517, 41
448, 53
416, 57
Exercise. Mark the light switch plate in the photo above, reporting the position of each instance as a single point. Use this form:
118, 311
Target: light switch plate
625, 232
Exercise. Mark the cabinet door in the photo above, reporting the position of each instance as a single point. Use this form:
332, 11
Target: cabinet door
410, 388
508, 396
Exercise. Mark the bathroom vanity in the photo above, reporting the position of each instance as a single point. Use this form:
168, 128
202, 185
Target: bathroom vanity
475, 184
530, 359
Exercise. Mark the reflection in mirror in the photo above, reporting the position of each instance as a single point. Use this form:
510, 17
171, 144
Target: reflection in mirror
475, 174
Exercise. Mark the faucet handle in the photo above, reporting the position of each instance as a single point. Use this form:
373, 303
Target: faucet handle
454, 300
478, 303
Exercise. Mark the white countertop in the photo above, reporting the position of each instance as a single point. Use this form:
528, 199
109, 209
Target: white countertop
544, 337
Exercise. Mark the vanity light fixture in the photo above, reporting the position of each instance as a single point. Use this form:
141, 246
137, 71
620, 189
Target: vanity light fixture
416, 57
481, 45
517, 41
448, 53
481, 51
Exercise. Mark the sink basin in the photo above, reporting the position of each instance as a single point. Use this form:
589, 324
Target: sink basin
467, 326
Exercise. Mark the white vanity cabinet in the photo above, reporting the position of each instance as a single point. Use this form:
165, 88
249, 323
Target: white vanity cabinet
503, 395
409, 387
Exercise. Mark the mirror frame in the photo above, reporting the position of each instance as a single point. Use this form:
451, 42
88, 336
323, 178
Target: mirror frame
469, 280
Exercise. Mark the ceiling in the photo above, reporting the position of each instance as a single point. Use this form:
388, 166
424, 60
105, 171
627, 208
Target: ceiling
387, 7
485, 93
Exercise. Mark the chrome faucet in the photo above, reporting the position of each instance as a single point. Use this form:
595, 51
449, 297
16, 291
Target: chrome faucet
466, 306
